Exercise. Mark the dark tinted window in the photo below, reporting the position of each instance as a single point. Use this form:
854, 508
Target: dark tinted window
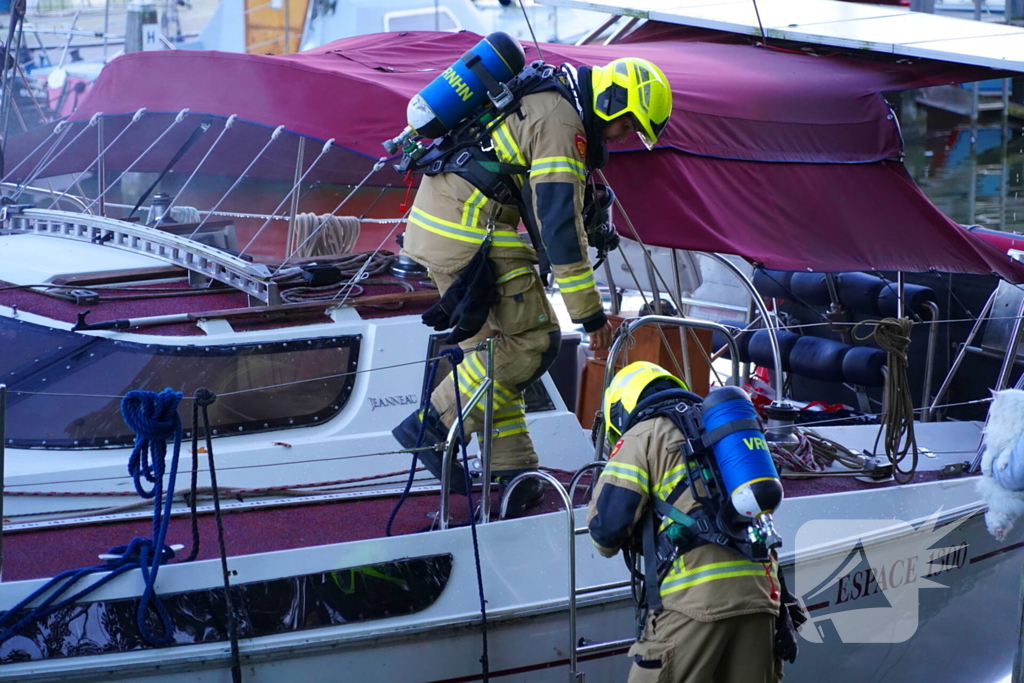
264, 608
55, 375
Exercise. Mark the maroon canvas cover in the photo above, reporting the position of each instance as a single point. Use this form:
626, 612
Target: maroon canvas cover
790, 160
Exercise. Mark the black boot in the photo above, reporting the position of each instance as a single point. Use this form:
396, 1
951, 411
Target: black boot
433, 433
526, 494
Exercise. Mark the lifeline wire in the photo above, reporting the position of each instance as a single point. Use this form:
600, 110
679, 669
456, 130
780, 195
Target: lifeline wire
239, 391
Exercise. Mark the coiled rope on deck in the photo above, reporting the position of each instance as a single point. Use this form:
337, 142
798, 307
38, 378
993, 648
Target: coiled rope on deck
310, 235
154, 419
893, 336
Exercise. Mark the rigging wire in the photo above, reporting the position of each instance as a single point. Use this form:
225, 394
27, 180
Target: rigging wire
668, 290
764, 37
530, 26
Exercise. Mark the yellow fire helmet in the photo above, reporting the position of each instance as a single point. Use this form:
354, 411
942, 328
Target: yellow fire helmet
622, 395
633, 86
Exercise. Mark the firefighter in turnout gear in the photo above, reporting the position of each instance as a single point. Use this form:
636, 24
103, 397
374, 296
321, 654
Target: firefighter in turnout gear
553, 139
718, 609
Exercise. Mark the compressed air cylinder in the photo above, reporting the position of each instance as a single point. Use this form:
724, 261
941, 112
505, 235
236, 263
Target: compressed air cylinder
458, 91
748, 473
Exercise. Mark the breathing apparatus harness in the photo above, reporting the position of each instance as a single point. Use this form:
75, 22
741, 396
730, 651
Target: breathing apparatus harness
666, 532
467, 150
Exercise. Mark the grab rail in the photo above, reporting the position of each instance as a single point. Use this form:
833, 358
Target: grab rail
632, 325
484, 391
574, 674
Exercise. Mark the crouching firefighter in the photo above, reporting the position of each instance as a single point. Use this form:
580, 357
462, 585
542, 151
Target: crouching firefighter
527, 157
688, 495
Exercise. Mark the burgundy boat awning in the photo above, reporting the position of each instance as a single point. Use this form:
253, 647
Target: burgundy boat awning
790, 160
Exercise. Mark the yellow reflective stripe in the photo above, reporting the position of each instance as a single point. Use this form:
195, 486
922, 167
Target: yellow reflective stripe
669, 481
471, 209
568, 161
683, 572
503, 395
628, 472
510, 427
513, 274
505, 144
463, 233
558, 165
471, 376
559, 169
680, 578
511, 410
666, 589
575, 283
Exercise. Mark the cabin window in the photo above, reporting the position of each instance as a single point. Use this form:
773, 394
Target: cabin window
65, 387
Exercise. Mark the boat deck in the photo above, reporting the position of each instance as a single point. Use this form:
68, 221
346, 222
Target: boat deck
44, 552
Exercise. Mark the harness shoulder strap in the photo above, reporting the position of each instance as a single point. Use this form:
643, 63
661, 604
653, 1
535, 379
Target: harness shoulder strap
652, 584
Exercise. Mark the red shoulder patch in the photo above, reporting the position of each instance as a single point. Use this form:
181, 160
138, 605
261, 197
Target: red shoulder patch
581, 146
615, 449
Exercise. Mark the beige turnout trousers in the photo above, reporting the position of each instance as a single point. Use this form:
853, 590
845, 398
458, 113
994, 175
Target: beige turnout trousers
678, 649
525, 330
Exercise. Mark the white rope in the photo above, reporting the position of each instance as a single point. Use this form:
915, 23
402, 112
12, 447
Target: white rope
295, 186
177, 119
184, 214
376, 167
227, 125
135, 119
338, 237
273, 136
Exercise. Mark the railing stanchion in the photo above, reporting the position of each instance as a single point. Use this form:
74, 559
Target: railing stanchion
488, 440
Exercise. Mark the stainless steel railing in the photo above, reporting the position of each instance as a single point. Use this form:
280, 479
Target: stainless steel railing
632, 325
484, 392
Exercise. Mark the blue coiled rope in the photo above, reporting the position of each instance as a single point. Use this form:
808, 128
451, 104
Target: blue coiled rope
154, 419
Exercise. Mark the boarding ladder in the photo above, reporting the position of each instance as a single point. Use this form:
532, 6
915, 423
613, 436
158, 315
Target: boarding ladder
204, 263
579, 648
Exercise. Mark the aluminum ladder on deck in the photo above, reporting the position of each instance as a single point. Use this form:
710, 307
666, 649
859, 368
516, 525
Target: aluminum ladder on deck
204, 263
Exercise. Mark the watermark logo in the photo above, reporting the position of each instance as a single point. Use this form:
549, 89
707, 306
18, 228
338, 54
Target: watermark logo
859, 578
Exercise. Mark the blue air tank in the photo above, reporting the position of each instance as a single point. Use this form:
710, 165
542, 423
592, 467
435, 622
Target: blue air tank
459, 90
748, 473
